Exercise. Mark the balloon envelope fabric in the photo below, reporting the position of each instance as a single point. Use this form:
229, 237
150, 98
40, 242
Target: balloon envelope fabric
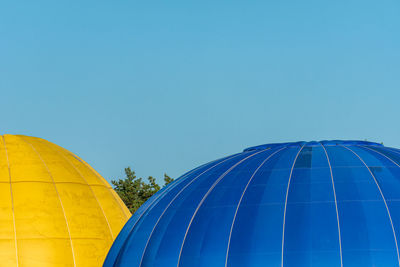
327, 203
55, 210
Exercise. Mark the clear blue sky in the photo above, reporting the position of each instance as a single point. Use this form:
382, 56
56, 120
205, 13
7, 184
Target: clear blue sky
164, 86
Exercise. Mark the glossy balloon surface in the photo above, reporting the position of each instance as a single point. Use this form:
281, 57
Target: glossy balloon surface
328, 203
55, 210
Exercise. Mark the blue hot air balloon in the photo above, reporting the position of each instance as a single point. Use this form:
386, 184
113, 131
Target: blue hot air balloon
328, 203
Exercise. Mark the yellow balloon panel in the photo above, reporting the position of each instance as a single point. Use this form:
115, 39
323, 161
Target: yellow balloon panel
25, 165
55, 210
87, 250
113, 215
4, 174
45, 252
90, 177
38, 211
6, 213
86, 218
8, 252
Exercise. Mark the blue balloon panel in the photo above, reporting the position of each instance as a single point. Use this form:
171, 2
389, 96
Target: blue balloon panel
327, 203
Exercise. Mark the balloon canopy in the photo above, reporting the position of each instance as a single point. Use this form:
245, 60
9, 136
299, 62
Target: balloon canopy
55, 210
328, 203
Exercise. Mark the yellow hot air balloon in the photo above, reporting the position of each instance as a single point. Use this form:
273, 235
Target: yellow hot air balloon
55, 210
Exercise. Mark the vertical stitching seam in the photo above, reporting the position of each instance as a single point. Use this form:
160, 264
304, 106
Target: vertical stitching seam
206, 195
286, 199
175, 197
91, 189
108, 186
12, 200
156, 200
240, 201
384, 201
336, 206
59, 198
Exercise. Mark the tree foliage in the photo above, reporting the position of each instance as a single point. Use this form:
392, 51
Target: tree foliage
135, 191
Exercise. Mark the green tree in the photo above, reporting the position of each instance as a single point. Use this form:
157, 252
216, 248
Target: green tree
167, 179
134, 191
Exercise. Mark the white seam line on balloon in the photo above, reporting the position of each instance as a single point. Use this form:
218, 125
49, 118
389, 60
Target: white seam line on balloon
392, 150
286, 199
101, 179
58, 195
154, 199
168, 189
94, 171
91, 189
384, 201
145, 209
175, 197
336, 206
108, 189
240, 201
12, 200
96, 174
394, 162
398, 257
206, 195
